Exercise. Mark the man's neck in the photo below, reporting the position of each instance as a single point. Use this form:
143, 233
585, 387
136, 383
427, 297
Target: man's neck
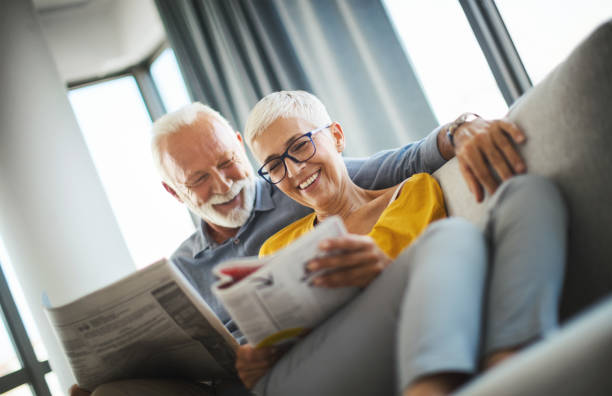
221, 234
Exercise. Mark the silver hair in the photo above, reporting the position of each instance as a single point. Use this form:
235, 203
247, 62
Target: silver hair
284, 104
172, 123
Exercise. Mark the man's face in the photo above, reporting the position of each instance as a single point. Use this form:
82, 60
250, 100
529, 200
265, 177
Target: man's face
208, 166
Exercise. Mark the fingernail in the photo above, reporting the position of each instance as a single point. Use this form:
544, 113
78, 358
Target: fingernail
324, 245
311, 266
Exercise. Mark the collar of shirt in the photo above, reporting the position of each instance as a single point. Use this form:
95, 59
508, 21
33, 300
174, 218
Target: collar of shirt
263, 202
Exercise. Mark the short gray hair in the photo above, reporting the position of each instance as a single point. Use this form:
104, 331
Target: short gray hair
284, 104
172, 123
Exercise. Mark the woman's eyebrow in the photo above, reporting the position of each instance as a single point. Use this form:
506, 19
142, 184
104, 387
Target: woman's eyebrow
287, 144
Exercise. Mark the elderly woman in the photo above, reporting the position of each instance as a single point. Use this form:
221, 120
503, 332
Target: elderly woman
416, 326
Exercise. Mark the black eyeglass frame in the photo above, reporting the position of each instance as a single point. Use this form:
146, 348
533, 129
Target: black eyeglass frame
286, 154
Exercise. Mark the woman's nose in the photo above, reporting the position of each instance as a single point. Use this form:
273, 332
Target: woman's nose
293, 168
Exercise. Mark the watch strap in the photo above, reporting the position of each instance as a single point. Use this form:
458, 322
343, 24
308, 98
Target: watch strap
452, 128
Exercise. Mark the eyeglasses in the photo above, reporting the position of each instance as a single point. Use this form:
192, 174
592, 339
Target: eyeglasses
302, 149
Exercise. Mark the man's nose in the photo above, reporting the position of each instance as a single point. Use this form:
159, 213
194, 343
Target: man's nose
221, 184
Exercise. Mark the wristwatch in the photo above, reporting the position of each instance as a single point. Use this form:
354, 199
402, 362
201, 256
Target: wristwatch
452, 128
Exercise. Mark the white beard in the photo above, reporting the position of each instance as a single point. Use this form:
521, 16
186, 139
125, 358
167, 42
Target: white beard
237, 216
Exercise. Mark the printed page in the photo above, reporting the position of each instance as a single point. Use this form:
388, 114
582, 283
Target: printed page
150, 324
277, 301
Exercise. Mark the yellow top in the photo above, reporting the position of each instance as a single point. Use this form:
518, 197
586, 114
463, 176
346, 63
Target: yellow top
419, 203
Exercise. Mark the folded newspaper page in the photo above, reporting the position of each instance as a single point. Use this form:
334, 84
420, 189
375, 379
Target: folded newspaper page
272, 299
151, 324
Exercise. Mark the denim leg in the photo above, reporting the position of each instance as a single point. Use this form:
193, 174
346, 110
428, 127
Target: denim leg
441, 315
526, 228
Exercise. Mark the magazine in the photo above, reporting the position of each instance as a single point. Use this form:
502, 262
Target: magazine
150, 324
271, 299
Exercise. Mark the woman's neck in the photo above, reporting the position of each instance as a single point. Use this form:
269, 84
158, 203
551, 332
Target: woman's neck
350, 197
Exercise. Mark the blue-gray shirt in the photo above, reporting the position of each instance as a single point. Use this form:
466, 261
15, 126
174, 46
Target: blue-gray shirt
273, 210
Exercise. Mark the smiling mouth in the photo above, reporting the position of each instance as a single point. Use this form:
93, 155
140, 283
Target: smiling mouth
229, 201
306, 183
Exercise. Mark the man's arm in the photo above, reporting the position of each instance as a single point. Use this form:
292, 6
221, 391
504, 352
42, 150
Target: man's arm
390, 167
483, 148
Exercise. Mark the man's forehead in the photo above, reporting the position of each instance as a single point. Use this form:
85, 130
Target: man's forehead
207, 131
201, 143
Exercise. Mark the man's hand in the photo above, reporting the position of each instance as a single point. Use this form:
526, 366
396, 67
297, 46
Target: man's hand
482, 145
355, 260
76, 391
252, 363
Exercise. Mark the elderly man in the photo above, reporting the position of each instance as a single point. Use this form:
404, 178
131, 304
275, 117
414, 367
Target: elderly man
203, 164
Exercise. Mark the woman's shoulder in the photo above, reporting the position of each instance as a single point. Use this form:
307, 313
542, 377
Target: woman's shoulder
418, 180
286, 235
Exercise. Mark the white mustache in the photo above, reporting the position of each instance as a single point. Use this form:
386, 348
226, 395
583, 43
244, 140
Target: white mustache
234, 190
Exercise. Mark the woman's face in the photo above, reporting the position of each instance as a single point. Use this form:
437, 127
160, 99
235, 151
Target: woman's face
317, 182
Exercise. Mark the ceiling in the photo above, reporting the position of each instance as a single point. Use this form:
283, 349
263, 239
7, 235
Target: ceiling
91, 39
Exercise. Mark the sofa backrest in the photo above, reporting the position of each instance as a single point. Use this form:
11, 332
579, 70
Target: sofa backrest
569, 141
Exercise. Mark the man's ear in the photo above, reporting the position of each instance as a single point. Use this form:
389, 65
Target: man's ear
338, 136
242, 144
172, 192
240, 138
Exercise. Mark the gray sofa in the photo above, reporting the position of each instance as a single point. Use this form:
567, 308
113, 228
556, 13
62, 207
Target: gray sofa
569, 141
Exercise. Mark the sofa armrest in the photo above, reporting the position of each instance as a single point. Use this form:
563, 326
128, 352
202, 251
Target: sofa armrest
573, 361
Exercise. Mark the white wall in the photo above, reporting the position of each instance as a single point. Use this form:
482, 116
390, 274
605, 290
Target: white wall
55, 220
102, 36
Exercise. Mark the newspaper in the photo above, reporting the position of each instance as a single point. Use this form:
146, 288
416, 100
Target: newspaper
272, 299
151, 324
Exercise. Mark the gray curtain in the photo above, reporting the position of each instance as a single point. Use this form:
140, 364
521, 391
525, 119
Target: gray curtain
233, 52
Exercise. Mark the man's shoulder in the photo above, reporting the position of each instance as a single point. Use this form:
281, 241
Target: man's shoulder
187, 248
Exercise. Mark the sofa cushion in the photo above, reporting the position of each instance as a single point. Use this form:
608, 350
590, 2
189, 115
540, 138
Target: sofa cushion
569, 141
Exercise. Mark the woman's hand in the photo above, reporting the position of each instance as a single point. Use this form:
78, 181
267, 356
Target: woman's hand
254, 363
354, 260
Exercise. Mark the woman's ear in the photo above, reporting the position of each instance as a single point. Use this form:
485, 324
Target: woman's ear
338, 136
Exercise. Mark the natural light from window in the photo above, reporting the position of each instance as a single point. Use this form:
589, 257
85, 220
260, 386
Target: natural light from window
23, 390
544, 32
8, 358
116, 127
169, 82
446, 57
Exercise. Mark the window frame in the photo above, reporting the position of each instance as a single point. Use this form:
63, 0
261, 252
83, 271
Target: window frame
32, 370
499, 50
146, 87
144, 80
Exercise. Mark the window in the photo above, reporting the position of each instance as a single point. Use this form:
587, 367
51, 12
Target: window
24, 368
169, 82
23, 390
545, 32
116, 126
9, 361
446, 57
